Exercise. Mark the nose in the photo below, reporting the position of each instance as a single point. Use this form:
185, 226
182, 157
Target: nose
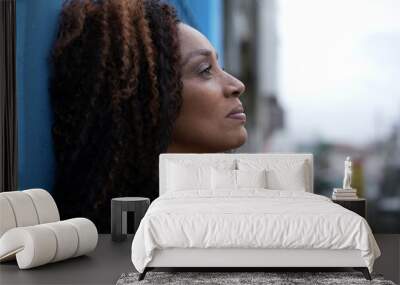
235, 87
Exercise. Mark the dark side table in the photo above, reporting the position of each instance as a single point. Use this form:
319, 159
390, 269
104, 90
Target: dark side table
119, 208
358, 206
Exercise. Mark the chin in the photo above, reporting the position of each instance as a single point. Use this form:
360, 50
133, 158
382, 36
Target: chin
242, 137
238, 140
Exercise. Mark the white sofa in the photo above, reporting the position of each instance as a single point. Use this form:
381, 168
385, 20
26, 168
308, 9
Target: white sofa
31, 231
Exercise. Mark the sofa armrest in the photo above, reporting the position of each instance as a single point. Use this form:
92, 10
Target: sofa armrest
45, 243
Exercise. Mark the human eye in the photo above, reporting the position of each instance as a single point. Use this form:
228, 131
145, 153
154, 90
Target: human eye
206, 71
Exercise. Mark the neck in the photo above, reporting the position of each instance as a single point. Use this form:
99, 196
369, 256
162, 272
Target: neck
184, 148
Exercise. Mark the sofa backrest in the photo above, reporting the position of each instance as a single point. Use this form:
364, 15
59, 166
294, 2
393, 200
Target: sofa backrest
279, 162
26, 208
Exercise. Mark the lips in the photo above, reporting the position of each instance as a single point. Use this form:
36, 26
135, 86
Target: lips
237, 113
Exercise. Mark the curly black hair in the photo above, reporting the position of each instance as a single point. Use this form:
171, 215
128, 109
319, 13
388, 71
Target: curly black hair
115, 87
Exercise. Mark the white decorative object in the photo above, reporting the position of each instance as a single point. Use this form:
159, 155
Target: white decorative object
31, 231
347, 173
347, 192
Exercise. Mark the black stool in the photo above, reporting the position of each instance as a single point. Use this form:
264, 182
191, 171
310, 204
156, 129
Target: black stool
119, 208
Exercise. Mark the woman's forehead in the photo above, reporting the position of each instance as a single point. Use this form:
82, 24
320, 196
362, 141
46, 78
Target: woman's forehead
191, 39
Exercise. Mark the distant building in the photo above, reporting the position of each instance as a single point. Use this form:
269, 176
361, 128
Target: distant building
388, 200
251, 45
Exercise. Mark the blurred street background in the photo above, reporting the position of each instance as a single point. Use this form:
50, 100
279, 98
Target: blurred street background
322, 76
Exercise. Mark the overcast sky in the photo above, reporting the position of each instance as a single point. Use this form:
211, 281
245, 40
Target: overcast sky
339, 68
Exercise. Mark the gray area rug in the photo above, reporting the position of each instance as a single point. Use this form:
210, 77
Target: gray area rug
225, 278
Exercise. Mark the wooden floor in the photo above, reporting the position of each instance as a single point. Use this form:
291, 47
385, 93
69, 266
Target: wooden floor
110, 260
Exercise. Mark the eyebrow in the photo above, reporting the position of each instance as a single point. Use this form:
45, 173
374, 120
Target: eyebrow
197, 52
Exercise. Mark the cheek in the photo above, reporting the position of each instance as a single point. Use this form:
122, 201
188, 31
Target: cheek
201, 108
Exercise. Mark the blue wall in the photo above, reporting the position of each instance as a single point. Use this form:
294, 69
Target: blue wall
36, 28
207, 17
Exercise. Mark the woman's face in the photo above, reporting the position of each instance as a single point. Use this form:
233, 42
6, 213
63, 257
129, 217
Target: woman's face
212, 118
